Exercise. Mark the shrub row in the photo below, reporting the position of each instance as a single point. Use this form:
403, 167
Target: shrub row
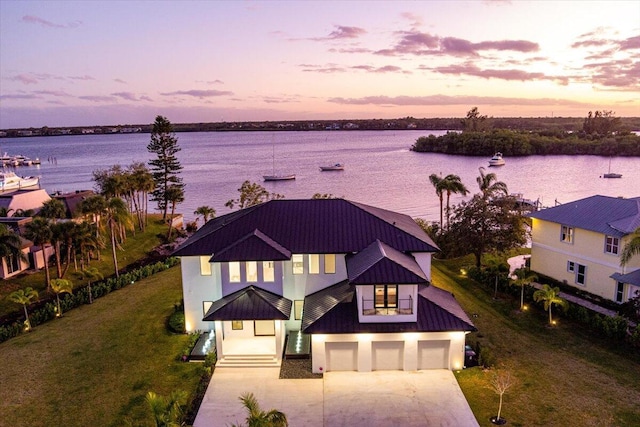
47, 311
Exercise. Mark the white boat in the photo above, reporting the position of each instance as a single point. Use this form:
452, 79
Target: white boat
336, 167
611, 174
274, 176
11, 181
497, 160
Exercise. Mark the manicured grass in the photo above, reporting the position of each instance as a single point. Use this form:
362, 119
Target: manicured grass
94, 366
136, 247
566, 376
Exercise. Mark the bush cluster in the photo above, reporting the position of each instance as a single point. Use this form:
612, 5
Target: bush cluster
81, 296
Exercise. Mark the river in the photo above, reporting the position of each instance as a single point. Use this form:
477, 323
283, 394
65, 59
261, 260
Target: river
380, 169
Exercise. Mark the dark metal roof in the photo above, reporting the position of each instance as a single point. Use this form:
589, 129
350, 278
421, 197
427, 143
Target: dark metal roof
250, 303
255, 246
611, 216
632, 278
309, 226
379, 263
438, 311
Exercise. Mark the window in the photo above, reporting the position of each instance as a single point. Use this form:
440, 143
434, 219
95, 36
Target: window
236, 325
619, 291
205, 266
386, 296
330, 263
297, 309
206, 305
234, 272
268, 271
611, 245
581, 274
571, 266
567, 234
252, 271
13, 264
298, 264
314, 264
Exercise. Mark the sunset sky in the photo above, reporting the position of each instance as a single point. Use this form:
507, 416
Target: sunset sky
107, 63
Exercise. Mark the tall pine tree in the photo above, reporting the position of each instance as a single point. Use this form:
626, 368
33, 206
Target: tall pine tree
165, 168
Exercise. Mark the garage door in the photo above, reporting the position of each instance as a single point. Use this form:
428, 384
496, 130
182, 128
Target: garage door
342, 356
433, 354
387, 356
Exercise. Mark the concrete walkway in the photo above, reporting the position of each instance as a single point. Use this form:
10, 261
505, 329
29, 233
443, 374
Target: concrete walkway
519, 261
372, 399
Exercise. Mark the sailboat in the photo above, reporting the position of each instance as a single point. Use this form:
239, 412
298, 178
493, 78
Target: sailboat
274, 176
611, 174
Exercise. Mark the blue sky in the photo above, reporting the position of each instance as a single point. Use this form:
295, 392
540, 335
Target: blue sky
107, 63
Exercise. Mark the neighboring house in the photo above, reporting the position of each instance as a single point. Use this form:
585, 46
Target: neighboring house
12, 265
354, 277
72, 201
24, 200
580, 244
34, 253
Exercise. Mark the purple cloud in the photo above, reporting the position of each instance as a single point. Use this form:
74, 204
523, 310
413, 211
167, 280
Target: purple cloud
30, 19
28, 79
19, 96
126, 96
198, 93
449, 100
344, 32
98, 98
51, 92
120, 81
85, 77
503, 74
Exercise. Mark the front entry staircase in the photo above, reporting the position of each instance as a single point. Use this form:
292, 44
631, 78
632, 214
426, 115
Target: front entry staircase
248, 361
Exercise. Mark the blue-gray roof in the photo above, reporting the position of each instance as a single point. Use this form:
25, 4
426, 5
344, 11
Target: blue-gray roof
611, 216
250, 303
316, 226
633, 278
379, 264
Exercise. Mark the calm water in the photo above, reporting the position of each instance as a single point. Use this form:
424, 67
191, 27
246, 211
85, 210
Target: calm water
379, 167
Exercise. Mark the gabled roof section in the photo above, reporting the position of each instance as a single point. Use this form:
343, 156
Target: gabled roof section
379, 263
316, 226
255, 246
611, 216
438, 311
632, 278
250, 303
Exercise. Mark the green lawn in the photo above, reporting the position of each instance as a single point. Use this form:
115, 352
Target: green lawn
566, 376
94, 366
136, 247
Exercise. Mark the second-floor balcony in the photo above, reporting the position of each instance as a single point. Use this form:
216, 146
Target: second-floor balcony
371, 307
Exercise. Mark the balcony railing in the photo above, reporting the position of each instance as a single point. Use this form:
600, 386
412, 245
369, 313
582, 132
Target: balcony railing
404, 306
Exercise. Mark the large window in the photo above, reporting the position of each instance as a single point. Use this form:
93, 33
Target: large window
234, 272
205, 266
611, 245
581, 274
298, 263
268, 271
252, 271
567, 234
13, 264
314, 264
386, 296
329, 263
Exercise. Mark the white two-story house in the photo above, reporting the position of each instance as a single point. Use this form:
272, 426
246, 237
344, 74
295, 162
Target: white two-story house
580, 244
354, 278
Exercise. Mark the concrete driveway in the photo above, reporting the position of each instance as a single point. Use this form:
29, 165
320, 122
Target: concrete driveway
372, 399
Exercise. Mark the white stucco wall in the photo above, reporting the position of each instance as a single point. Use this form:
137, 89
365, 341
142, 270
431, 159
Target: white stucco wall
424, 261
197, 288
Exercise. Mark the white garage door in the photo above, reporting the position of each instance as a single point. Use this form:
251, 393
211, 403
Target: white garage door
342, 356
388, 355
433, 354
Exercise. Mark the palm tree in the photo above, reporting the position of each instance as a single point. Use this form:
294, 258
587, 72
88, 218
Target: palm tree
117, 217
4, 211
167, 412
205, 212
94, 206
256, 417
452, 185
550, 296
436, 181
490, 186
10, 245
631, 249
173, 195
522, 277
39, 232
91, 274
61, 286
25, 297
53, 209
